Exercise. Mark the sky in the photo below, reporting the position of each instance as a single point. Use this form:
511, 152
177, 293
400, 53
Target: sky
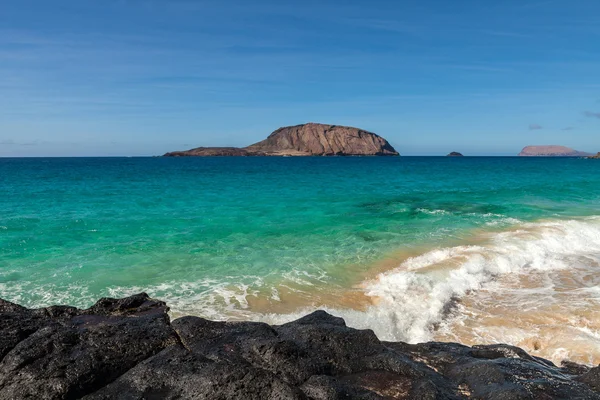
143, 77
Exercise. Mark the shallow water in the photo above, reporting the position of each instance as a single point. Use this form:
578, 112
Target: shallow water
468, 249
535, 287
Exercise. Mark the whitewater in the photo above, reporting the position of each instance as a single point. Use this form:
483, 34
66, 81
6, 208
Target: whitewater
534, 286
472, 250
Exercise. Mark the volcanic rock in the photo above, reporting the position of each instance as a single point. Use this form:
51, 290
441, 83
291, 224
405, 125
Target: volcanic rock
306, 140
323, 140
129, 349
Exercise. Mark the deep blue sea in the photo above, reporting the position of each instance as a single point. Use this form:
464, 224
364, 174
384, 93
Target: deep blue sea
417, 248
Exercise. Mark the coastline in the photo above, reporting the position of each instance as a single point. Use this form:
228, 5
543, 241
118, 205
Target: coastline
319, 229
286, 200
129, 348
377, 296
469, 314
470, 318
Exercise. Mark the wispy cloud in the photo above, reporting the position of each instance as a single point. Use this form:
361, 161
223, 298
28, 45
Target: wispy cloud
535, 127
568, 128
537, 4
10, 142
393, 26
483, 68
592, 114
505, 34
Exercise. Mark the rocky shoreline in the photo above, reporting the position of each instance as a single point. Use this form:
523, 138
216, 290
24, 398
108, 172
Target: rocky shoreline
130, 349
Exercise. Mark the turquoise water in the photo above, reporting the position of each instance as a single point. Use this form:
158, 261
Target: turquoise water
208, 234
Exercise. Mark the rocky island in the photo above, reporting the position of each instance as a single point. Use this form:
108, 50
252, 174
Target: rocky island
305, 140
551, 151
455, 154
210, 152
597, 156
130, 349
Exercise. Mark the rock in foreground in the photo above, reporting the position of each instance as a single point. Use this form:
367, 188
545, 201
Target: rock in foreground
306, 140
129, 349
551, 151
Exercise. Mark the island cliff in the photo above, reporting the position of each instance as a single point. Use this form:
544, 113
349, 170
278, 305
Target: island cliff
130, 349
306, 140
551, 151
597, 156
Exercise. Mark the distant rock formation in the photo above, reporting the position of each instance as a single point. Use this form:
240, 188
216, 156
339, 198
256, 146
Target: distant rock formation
455, 154
323, 140
210, 152
597, 156
551, 151
130, 349
306, 140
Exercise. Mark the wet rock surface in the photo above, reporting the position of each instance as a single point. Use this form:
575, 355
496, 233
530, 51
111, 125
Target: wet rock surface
129, 349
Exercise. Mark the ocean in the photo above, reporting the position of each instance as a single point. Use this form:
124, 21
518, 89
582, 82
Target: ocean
472, 250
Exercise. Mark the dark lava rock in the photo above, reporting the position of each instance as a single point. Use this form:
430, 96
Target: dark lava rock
128, 349
454, 154
65, 353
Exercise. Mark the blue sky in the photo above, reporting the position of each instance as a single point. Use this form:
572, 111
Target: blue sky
142, 77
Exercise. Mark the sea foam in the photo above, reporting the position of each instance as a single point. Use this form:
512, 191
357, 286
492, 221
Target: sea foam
412, 301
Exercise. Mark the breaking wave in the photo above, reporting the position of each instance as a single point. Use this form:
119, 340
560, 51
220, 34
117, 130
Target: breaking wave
422, 299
